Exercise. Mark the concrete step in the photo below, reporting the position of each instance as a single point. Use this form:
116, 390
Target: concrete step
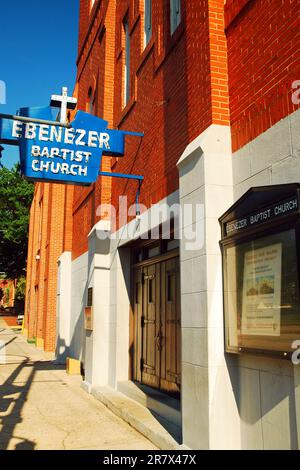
139, 417
162, 404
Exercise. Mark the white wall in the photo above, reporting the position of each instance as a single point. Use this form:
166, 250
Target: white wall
78, 302
268, 390
228, 401
71, 299
98, 277
107, 268
63, 309
231, 401
209, 409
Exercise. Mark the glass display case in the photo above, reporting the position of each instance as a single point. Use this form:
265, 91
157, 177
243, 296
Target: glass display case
260, 252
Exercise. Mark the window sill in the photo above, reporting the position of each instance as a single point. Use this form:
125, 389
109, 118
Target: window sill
145, 54
93, 9
128, 108
82, 197
167, 48
233, 9
134, 23
114, 163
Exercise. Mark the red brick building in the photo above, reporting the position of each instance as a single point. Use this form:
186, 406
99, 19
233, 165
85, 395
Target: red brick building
50, 234
8, 287
214, 87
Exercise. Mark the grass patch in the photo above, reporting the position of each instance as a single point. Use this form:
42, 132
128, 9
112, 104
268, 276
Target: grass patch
31, 340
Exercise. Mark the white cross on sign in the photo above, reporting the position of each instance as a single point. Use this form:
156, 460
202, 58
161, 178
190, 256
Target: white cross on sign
64, 102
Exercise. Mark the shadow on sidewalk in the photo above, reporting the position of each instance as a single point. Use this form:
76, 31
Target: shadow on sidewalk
2, 346
11, 406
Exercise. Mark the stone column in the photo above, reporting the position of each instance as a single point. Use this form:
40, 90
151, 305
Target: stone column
209, 409
63, 310
122, 305
97, 341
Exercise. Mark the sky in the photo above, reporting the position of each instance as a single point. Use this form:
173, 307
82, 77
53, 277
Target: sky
38, 50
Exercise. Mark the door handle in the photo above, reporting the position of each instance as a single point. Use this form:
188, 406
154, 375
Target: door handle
144, 321
159, 340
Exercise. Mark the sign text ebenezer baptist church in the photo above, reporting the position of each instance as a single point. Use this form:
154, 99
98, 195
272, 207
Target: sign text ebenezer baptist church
65, 153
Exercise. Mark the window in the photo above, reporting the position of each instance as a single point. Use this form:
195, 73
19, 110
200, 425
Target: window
126, 90
90, 102
152, 252
173, 244
147, 21
175, 14
90, 297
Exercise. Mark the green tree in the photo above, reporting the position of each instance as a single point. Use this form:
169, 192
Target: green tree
6, 296
20, 289
20, 295
15, 200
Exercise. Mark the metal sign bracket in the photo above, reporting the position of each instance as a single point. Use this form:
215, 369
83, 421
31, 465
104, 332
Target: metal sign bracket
138, 178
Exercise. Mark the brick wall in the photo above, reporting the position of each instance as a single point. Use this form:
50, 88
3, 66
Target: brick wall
96, 75
178, 88
50, 234
171, 112
67, 215
263, 61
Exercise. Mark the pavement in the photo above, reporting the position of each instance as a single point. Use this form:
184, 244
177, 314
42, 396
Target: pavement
43, 408
11, 321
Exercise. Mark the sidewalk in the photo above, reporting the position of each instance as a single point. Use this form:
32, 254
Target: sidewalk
43, 408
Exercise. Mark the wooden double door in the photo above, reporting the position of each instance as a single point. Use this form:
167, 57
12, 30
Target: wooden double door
157, 335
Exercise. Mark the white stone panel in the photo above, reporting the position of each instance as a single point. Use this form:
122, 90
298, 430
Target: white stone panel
64, 295
241, 165
194, 346
250, 409
79, 293
262, 178
276, 418
295, 132
271, 146
194, 405
194, 307
286, 171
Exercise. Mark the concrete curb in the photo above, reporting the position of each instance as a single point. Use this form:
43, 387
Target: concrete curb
139, 417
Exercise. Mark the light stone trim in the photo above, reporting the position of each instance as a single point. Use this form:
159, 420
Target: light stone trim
209, 409
63, 310
267, 389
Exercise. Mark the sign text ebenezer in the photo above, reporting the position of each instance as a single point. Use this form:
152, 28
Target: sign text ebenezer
73, 162
58, 151
53, 153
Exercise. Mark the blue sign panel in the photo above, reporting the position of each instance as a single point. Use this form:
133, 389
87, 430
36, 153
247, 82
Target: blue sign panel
6, 132
58, 154
6, 125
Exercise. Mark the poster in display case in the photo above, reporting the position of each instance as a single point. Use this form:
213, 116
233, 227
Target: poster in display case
262, 291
